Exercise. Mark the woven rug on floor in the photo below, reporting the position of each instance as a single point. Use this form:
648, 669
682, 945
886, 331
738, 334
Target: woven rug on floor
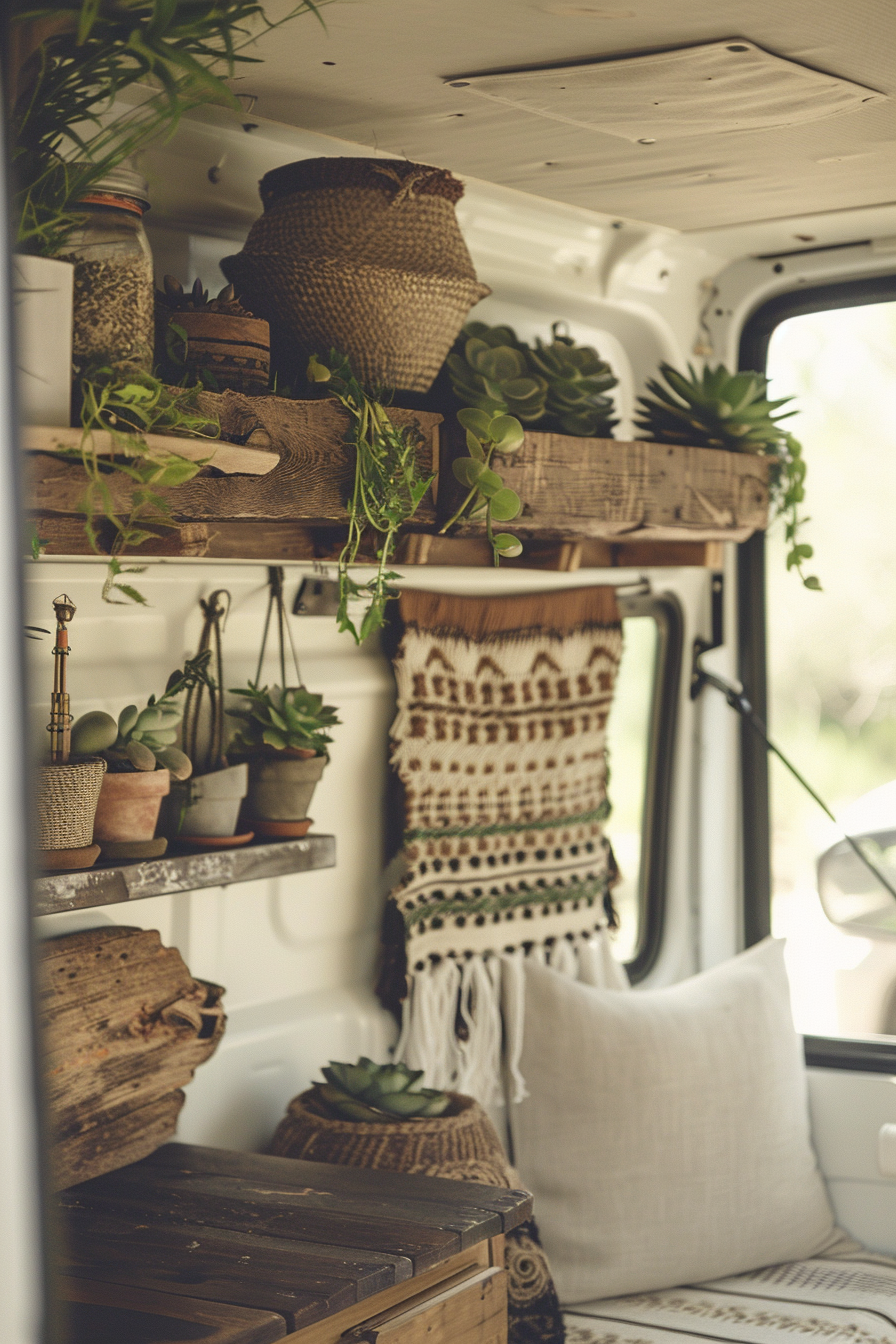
500, 747
828, 1301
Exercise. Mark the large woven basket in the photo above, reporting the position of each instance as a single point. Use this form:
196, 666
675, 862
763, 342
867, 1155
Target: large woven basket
65, 803
363, 256
462, 1145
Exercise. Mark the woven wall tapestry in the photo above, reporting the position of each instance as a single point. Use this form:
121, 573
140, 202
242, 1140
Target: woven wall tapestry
499, 744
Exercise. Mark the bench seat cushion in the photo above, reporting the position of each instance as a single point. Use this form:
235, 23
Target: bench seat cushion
820, 1301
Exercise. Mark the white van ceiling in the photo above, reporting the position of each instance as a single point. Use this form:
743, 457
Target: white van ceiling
384, 73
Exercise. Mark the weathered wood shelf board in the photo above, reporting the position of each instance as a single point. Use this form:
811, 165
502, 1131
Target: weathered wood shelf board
275, 488
181, 872
304, 486
329, 1251
617, 491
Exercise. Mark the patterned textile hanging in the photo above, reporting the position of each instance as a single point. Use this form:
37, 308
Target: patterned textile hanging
499, 744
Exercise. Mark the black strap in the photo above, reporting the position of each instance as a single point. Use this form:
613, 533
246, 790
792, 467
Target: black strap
739, 702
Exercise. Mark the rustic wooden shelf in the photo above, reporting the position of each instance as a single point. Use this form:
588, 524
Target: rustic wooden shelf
276, 490
181, 872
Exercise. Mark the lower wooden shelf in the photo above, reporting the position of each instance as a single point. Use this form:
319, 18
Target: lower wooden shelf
181, 872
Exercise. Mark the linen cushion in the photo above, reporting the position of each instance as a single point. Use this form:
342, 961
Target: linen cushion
666, 1133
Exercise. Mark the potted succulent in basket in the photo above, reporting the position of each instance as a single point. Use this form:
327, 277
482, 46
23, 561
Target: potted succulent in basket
204, 809
282, 738
141, 759
216, 341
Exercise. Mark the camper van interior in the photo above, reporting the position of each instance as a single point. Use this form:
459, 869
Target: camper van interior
448, 846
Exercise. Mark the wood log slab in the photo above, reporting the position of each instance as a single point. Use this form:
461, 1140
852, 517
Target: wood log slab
124, 1026
620, 491
227, 458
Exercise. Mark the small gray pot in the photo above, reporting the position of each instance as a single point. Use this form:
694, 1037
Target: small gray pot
206, 804
281, 786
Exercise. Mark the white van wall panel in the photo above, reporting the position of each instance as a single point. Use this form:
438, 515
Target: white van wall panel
847, 1110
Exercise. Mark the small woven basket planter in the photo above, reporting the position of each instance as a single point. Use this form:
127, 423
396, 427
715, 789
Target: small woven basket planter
460, 1145
65, 803
363, 256
236, 351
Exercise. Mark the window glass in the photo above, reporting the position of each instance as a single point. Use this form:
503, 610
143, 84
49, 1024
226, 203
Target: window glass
627, 745
832, 672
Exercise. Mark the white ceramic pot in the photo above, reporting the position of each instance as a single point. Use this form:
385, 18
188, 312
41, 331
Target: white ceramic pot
42, 300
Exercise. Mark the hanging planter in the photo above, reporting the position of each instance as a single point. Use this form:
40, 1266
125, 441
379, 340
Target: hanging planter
362, 256
42, 301
282, 737
205, 809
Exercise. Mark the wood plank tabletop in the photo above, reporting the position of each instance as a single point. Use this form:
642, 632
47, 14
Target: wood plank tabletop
303, 1240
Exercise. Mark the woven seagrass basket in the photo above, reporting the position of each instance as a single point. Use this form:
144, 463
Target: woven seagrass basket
461, 1145
65, 803
363, 256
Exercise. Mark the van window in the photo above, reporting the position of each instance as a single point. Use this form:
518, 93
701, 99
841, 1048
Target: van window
832, 672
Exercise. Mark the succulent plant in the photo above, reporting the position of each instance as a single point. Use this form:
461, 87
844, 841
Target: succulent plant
715, 409
195, 300
142, 739
577, 380
383, 1092
281, 718
489, 370
732, 411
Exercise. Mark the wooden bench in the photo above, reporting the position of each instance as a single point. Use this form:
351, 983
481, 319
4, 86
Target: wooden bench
219, 1247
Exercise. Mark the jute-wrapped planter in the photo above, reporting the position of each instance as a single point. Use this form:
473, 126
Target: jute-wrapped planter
364, 256
235, 350
65, 803
460, 1145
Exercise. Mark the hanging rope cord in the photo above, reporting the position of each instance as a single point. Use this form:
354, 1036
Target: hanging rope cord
741, 705
275, 600
214, 617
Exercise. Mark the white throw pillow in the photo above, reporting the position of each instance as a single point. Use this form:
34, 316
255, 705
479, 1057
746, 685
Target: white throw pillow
666, 1132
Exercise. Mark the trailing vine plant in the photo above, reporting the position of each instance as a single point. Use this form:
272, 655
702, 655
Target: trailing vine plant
488, 496
128, 402
388, 486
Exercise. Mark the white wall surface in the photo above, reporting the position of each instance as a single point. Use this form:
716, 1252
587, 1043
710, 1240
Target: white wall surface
848, 1110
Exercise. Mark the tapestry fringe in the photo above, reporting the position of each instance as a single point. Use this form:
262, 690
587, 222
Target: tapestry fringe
462, 1021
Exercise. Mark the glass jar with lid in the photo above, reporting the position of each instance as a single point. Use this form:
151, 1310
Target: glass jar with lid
113, 300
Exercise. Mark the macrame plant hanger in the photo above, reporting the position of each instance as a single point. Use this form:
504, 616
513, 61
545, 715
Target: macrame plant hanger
275, 602
214, 614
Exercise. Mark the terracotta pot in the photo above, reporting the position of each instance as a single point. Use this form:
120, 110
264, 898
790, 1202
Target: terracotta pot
206, 804
236, 351
281, 786
129, 804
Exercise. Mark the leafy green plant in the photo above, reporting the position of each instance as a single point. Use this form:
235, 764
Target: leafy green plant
143, 739
577, 380
378, 1092
718, 409
281, 718
128, 402
488, 495
71, 65
558, 386
388, 487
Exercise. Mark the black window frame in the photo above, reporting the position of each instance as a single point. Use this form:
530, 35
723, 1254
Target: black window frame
665, 610
830, 1052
